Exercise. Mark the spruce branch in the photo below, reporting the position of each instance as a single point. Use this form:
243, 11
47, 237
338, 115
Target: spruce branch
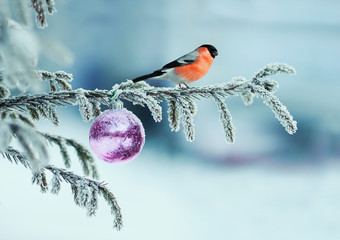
270, 85
85, 157
180, 101
247, 98
15, 156
280, 111
274, 68
39, 178
32, 143
39, 9
50, 7
141, 98
225, 118
59, 78
85, 191
85, 107
16, 116
187, 119
4, 92
136, 94
174, 115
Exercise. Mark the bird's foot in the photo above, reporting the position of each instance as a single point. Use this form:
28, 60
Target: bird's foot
181, 86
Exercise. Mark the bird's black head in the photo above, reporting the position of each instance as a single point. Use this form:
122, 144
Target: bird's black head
213, 51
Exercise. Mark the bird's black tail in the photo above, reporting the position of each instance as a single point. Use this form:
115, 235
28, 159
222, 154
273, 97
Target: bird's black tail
147, 76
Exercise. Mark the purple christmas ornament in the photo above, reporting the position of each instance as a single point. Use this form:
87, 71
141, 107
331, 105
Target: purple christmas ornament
117, 135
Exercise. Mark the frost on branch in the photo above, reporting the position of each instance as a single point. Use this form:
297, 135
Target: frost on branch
85, 107
187, 119
32, 143
181, 102
270, 85
39, 178
84, 156
39, 9
225, 118
246, 96
274, 68
85, 191
4, 92
174, 115
136, 94
59, 78
15, 156
280, 111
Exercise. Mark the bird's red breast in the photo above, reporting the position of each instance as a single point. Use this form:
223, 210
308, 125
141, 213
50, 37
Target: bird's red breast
199, 68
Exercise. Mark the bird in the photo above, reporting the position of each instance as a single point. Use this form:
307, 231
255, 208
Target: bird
186, 69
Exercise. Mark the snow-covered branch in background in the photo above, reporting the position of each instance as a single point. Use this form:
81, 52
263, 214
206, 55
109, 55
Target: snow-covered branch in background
40, 12
85, 191
85, 157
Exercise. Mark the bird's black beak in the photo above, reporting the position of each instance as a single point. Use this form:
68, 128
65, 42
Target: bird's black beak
214, 53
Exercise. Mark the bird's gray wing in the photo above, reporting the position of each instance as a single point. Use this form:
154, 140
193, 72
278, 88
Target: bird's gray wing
184, 60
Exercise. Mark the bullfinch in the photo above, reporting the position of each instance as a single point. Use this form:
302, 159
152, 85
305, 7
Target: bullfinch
186, 69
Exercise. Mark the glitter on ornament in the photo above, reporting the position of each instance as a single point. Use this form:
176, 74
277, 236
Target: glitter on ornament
117, 135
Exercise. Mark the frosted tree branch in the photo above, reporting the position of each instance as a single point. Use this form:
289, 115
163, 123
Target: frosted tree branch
181, 102
187, 119
59, 78
32, 143
225, 118
85, 157
174, 115
39, 9
85, 191
280, 111
274, 68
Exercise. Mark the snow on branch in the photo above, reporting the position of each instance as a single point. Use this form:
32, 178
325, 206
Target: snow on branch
85, 157
14, 156
274, 68
225, 118
174, 115
85, 191
280, 111
187, 119
32, 143
4, 92
181, 101
59, 78
39, 9
21, 121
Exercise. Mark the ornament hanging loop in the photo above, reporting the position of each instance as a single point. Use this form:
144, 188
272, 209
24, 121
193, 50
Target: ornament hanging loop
115, 103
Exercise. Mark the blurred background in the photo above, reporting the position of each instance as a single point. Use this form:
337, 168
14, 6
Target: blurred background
267, 185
